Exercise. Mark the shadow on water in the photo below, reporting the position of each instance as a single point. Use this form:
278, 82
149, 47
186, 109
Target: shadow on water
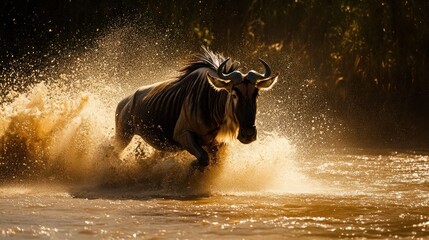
143, 175
134, 193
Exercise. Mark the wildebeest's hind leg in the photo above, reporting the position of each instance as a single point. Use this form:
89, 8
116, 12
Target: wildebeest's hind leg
124, 130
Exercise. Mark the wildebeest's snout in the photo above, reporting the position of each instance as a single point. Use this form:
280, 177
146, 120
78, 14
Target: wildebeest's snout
247, 135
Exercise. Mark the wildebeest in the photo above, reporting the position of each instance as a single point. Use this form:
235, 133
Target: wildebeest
210, 102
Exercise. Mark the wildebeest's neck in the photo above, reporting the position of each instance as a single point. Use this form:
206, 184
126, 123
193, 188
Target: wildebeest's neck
206, 103
213, 108
203, 103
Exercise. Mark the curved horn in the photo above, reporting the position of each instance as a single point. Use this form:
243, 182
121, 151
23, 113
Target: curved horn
254, 76
235, 76
220, 70
267, 68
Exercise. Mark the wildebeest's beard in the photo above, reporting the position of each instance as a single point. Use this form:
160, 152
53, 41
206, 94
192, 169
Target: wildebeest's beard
244, 96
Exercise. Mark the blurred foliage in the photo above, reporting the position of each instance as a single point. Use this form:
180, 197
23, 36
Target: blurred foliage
369, 59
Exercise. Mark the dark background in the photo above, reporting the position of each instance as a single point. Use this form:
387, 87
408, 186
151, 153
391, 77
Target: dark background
364, 64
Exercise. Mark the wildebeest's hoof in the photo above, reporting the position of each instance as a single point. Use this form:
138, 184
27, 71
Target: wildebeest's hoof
197, 166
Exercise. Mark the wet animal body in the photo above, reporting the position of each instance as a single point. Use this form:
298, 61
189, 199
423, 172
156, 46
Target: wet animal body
208, 104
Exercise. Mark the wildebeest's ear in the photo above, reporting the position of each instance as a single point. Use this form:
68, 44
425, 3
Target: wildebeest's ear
219, 84
267, 83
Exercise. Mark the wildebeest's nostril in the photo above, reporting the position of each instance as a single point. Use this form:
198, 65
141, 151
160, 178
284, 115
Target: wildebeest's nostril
248, 132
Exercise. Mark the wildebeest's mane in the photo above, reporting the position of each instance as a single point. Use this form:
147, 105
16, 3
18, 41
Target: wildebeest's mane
206, 59
205, 102
192, 82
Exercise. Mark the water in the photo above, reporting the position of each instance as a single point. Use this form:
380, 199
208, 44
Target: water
60, 177
372, 195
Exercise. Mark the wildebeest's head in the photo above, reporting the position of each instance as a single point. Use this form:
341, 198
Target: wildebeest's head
243, 91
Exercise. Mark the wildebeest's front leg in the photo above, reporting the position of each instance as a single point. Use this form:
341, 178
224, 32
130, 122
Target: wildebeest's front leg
189, 141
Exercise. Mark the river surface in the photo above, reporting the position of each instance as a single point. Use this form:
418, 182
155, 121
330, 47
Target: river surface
342, 193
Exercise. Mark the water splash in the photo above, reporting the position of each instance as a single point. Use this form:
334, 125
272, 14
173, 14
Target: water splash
50, 135
60, 132
267, 165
